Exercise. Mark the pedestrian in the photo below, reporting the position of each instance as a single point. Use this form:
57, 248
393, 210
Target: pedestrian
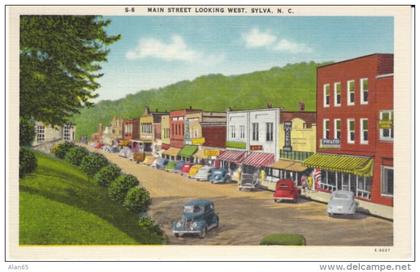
303, 181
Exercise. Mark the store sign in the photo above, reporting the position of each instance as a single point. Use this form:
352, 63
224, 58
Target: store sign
198, 141
255, 147
385, 124
287, 136
211, 153
330, 143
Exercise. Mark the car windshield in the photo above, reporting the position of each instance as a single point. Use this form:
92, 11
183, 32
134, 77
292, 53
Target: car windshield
192, 209
342, 196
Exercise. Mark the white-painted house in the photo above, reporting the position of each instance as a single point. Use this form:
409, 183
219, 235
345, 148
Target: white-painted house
46, 134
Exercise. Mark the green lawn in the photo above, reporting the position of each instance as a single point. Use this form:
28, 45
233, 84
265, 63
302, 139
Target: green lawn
59, 205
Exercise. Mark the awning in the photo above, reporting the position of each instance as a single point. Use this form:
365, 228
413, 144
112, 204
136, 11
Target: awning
172, 151
289, 165
361, 166
188, 151
200, 155
206, 153
232, 156
259, 159
149, 160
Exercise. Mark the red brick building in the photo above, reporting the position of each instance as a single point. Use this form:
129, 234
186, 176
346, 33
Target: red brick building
177, 126
131, 129
355, 127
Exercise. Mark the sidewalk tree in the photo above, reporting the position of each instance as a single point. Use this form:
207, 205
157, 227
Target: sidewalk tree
60, 60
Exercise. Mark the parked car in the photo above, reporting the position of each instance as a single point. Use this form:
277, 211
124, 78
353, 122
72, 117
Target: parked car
98, 145
139, 156
125, 152
186, 168
178, 166
198, 217
248, 181
194, 169
204, 173
161, 163
219, 175
170, 166
286, 190
155, 162
342, 202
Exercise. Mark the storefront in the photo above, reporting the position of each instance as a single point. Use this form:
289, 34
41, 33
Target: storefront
286, 169
231, 160
207, 156
343, 172
187, 151
171, 153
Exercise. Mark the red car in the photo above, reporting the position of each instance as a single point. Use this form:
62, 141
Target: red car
286, 190
99, 145
186, 168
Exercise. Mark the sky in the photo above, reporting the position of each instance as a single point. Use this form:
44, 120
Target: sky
156, 51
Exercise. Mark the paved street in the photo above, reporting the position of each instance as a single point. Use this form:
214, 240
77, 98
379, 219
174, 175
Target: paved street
246, 217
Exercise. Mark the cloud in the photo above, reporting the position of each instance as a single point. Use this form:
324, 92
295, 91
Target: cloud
176, 49
255, 38
292, 47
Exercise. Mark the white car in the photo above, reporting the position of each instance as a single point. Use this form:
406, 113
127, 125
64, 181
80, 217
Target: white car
342, 202
204, 173
125, 152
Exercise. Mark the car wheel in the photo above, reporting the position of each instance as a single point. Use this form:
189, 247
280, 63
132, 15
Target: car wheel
203, 233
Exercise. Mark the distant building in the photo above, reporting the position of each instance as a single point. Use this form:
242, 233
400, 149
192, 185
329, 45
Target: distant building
165, 132
117, 128
150, 134
355, 127
46, 134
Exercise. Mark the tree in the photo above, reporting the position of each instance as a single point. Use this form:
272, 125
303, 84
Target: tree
60, 60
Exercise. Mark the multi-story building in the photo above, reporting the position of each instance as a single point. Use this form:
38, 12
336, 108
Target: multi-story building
150, 135
117, 128
46, 134
165, 132
355, 127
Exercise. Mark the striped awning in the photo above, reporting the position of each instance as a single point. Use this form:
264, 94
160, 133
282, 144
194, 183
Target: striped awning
259, 159
172, 151
232, 156
360, 166
289, 165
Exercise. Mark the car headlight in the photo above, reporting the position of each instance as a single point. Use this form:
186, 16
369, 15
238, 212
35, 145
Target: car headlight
194, 225
178, 224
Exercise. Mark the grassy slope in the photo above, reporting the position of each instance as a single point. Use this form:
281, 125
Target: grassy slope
60, 205
285, 87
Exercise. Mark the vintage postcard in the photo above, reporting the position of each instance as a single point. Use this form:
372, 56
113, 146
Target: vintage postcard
247, 133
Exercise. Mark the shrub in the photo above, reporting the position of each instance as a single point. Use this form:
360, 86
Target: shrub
137, 200
27, 161
60, 150
286, 239
92, 163
107, 174
26, 131
75, 155
118, 188
146, 223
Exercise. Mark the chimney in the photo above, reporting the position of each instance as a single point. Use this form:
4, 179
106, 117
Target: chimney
269, 105
190, 108
229, 109
301, 106
146, 110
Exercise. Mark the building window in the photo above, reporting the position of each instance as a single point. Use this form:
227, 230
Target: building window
326, 95
40, 134
337, 94
364, 187
386, 131
67, 133
350, 92
337, 129
364, 91
255, 132
350, 131
269, 132
326, 129
387, 182
364, 131
242, 132
232, 132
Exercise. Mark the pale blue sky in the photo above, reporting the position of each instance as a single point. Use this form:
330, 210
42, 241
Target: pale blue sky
160, 50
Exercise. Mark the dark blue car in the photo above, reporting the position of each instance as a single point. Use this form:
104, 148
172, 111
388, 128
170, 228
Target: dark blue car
198, 218
178, 166
161, 163
219, 175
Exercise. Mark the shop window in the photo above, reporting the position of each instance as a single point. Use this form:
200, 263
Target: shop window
40, 134
255, 132
364, 187
328, 181
364, 91
386, 122
269, 132
350, 131
364, 135
350, 92
337, 94
326, 129
387, 181
337, 129
326, 95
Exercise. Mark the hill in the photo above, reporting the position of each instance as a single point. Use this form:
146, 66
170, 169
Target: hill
283, 87
59, 205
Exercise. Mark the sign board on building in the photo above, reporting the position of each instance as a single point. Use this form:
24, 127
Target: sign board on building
198, 141
287, 136
330, 143
211, 153
385, 124
255, 147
